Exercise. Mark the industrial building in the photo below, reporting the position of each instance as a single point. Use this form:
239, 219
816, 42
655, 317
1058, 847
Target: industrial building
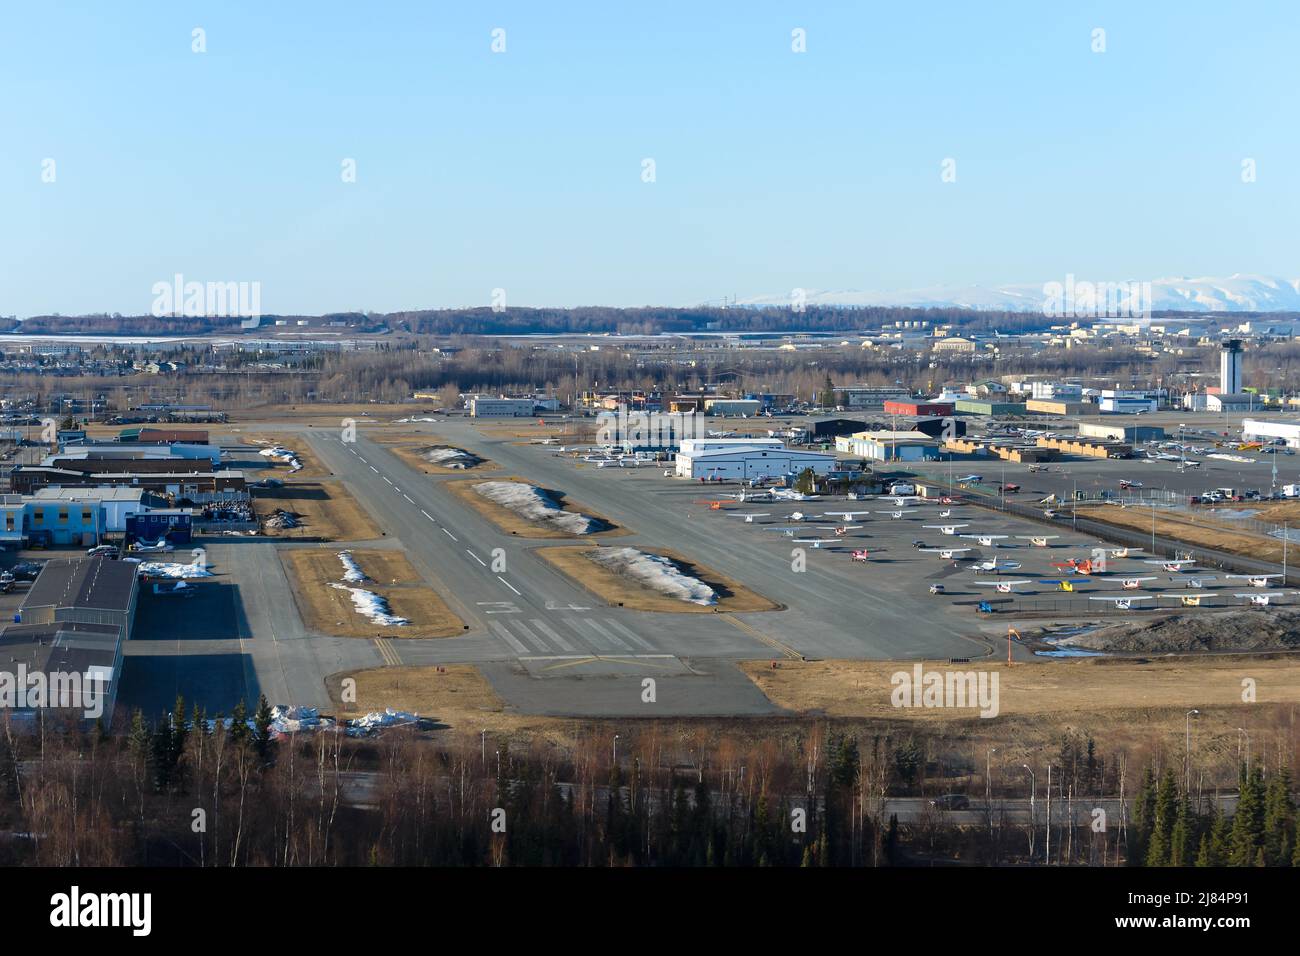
918, 408
889, 446
1048, 406
1289, 432
481, 407
71, 626
696, 446
747, 463
825, 429
969, 406
1134, 434
732, 406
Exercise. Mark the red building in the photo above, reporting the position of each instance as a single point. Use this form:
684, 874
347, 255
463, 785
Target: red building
918, 408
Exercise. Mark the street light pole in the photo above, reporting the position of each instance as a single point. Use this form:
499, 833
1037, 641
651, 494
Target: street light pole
616, 750
1187, 750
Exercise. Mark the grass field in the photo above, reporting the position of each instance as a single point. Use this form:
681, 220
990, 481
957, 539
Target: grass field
329, 610
457, 696
1199, 528
511, 523
1064, 688
327, 511
615, 589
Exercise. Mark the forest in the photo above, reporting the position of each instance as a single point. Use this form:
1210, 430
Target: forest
185, 790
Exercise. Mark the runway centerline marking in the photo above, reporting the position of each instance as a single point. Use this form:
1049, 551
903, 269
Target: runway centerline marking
476, 557
509, 585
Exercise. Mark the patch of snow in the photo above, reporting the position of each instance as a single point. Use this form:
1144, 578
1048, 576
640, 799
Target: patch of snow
655, 572
161, 569
533, 503
373, 606
352, 572
447, 457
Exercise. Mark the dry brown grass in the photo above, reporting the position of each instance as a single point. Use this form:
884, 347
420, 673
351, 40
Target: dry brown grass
326, 509
329, 610
330, 414
511, 523
615, 589
458, 696
1197, 528
1061, 688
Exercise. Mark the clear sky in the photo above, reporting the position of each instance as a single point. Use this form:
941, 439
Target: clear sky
523, 170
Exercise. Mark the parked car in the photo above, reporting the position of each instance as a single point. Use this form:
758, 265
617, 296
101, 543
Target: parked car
951, 801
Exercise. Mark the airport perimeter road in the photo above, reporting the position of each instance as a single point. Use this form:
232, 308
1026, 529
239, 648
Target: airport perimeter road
834, 609
557, 650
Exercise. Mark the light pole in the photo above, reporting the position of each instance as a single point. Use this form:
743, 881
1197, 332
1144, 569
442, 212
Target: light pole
482, 742
616, 750
988, 779
1187, 750
1240, 733
1033, 793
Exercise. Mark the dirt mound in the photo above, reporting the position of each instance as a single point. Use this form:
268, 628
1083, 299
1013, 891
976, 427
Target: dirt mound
1253, 630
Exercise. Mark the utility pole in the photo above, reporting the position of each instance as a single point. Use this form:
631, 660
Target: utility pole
1047, 851
1187, 749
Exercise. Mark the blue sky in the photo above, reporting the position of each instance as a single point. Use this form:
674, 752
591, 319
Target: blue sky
523, 170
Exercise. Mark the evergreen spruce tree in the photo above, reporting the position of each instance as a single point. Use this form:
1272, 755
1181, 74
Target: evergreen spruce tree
1247, 837
1279, 819
239, 723
262, 730
1144, 816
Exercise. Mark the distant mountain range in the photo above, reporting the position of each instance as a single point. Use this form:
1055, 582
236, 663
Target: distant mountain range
1236, 293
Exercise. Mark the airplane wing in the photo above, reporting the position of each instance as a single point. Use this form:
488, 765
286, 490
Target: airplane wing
989, 584
1118, 598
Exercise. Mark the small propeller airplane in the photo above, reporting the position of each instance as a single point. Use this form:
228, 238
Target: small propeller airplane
986, 540
1193, 582
1194, 600
950, 529
1038, 540
796, 515
1003, 587
816, 542
1120, 552
1124, 603
789, 532
1177, 567
842, 531
1255, 580
1125, 483
860, 554
996, 566
155, 546
1061, 584
945, 513
970, 479
1261, 598
846, 515
713, 504
749, 516
1132, 584
896, 516
946, 553
1077, 566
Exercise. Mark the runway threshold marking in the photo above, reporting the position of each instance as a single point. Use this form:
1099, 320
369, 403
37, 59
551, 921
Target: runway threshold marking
387, 652
771, 642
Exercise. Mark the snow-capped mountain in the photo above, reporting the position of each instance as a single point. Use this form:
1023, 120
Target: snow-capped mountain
1236, 293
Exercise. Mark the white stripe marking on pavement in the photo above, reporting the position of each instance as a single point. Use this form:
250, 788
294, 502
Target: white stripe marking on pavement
627, 632
546, 629
501, 632
476, 557
509, 585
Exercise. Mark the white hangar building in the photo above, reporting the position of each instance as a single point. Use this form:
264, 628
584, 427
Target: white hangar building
745, 463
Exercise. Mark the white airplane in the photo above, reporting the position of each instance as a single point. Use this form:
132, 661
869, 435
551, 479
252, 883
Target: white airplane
1038, 540
985, 539
945, 528
846, 515
749, 516
788, 494
743, 496
1132, 584
1125, 603
970, 479
946, 553
1003, 587
1175, 566
1118, 552
717, 434
789, 532
902, 500
1256, 580
896, 515
817, 542
1261, 598
796, 516
181, 588
841, 530
996, 566
157, 546
1193, 582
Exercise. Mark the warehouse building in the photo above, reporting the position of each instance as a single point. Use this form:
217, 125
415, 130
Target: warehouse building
918, 408
1134, 434
696, 446
889, 446
481, 407
748, 463
1289, 432
732, 406
1049, 406
70, 629
970, 406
